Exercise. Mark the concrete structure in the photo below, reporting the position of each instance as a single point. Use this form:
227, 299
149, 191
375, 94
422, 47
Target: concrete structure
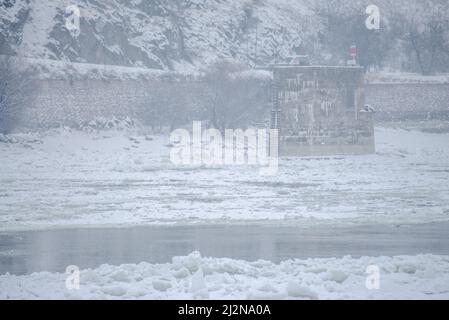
68, 102
320, 111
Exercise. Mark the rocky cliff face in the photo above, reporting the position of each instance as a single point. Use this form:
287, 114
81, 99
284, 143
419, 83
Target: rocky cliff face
161, 34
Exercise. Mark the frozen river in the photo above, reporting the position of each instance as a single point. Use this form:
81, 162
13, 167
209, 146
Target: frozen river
71, 179
53, 250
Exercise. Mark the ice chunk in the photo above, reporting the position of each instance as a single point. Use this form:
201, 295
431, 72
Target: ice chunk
267, 287
297, 291
407, 268
116, 291
120, 276
198, 283
337, 276
181, 273
161, 285
192, 262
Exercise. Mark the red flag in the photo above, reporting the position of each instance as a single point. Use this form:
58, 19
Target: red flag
353, 51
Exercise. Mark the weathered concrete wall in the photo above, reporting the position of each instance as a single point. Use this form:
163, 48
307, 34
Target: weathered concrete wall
73, 102
65, 102
153, 102
409, 101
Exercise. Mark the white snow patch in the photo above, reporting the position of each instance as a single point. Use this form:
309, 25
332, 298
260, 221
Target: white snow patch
292, 279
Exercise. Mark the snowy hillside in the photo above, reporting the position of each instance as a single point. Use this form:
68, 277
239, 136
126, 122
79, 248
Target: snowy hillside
184, 35
157, 34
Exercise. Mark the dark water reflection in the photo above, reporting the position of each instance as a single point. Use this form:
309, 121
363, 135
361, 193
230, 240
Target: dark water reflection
54, 250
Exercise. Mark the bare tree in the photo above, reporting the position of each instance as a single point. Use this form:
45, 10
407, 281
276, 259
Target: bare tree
16, 91
236, 99
166, 105
424, 29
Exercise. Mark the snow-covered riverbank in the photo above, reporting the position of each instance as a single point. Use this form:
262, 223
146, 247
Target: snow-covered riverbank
192, 277
73, 178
